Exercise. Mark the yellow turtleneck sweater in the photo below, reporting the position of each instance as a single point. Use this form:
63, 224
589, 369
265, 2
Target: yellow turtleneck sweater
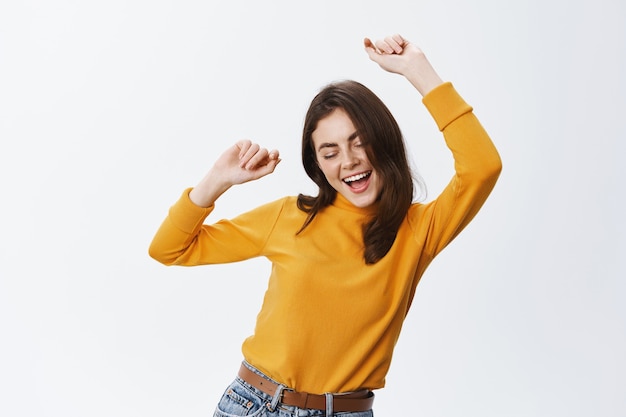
329, 322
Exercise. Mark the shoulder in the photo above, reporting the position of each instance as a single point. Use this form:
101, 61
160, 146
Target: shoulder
282, 202
419, 213
281, 206
282, 213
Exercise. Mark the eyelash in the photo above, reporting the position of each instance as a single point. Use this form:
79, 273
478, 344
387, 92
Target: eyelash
332, 155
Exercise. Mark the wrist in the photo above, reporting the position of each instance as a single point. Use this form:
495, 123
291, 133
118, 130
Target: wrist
423, 76
208, 190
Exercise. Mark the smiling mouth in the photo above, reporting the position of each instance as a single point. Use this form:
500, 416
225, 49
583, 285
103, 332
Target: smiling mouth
357, 179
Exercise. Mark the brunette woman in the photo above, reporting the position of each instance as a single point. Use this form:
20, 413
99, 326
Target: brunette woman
345, 262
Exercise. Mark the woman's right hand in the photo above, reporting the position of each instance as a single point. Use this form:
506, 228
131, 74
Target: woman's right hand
244, 161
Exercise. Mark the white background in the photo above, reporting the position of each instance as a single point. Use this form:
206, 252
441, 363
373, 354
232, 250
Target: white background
109, 109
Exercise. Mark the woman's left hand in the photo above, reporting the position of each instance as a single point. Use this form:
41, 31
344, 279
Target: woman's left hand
398, 55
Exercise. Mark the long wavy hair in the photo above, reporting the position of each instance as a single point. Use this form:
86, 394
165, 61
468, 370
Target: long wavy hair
384, 146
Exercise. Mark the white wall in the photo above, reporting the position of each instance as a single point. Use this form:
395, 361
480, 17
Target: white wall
109, 109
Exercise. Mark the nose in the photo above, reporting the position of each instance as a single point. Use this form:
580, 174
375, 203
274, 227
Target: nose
350, 160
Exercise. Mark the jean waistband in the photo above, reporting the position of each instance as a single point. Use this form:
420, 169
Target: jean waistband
362, 400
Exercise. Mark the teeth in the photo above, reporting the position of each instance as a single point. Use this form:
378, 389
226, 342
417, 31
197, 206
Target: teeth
356, 177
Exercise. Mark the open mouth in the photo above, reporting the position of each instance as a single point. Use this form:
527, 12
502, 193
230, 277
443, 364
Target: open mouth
356, 180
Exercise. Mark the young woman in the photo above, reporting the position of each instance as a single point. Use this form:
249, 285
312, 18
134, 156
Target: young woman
345, 263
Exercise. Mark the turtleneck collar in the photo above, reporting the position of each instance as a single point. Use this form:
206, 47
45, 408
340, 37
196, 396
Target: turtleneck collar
342, 203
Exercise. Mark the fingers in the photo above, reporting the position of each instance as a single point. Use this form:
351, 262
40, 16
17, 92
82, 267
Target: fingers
390, 45
249, 154
370, 49
252, 156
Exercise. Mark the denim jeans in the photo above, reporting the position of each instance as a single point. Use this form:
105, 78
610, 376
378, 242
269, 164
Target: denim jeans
242, 399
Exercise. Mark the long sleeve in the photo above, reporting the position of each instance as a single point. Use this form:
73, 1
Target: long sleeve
183, 239
477, 167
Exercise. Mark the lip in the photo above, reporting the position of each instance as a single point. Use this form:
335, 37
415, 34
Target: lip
367, 171
362, 188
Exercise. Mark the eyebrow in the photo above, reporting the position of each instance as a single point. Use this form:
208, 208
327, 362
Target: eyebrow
353, 136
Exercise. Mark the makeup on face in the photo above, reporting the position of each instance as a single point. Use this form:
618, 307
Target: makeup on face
342, 158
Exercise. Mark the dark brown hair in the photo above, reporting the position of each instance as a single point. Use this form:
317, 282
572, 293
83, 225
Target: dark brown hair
384, 145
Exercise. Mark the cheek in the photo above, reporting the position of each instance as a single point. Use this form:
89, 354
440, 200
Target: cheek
364, 156
325, 167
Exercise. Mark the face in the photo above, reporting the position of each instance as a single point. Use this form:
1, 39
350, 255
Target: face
341, 157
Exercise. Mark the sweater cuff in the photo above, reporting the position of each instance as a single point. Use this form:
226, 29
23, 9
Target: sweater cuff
187, 216
445, 105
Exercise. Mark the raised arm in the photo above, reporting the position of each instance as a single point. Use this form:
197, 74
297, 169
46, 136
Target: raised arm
477, 163
177, 239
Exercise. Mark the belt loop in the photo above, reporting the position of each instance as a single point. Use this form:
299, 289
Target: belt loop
276, 398
329, 404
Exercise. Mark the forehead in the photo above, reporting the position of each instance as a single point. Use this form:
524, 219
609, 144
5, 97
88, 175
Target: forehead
337, 127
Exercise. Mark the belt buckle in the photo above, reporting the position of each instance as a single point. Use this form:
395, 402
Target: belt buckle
278, 399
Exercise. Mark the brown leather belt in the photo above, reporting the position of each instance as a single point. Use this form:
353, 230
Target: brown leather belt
354, 401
